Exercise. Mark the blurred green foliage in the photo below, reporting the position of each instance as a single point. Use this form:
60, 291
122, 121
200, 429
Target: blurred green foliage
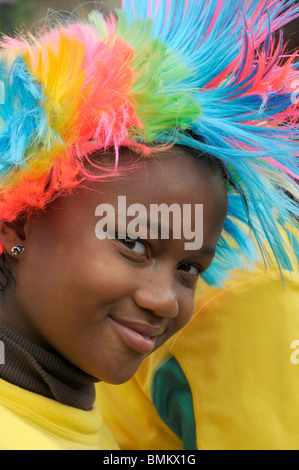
14, 14
31, 13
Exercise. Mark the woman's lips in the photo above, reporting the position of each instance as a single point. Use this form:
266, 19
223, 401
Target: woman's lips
138, 336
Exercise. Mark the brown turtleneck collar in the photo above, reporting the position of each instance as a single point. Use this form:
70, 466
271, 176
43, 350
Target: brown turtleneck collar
32, 368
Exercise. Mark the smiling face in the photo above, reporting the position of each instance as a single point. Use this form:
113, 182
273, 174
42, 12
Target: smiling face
107, 304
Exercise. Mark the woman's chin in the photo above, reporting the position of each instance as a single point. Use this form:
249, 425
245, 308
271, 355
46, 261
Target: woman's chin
116, 375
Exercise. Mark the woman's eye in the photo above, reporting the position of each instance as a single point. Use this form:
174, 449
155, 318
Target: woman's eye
136, 246
191, 269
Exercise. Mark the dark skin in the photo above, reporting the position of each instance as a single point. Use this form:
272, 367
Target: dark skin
101, 303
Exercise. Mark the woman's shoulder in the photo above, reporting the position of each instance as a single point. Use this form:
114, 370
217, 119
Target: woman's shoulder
18, 433
32, 422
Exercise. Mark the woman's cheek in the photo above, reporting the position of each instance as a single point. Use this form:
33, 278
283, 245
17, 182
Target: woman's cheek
186, 308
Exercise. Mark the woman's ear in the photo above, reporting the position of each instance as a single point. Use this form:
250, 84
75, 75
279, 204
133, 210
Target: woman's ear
13, 233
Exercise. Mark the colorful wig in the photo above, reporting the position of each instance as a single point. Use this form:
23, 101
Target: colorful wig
211, 75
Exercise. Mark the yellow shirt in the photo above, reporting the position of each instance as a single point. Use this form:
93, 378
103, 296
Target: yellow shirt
229, 380
32, 422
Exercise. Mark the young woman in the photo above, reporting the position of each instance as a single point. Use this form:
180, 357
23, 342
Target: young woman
168, 106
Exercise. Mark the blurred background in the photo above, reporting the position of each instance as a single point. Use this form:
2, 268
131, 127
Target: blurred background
33, 13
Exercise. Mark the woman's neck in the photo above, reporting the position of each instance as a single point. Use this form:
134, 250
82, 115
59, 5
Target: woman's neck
39, 371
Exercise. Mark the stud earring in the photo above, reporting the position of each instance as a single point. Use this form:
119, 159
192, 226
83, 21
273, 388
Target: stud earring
17, 250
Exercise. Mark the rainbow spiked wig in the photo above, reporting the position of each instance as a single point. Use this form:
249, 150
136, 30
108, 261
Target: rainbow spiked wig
212, 75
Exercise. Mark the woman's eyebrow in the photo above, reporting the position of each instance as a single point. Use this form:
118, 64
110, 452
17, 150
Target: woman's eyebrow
146, 223
204, 251
158, 228
207, 251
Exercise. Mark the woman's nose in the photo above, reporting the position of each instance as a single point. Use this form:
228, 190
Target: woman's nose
159, 297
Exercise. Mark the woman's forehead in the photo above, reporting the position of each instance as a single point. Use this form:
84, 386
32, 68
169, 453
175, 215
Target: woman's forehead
175, 163
177, 177
168, 199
